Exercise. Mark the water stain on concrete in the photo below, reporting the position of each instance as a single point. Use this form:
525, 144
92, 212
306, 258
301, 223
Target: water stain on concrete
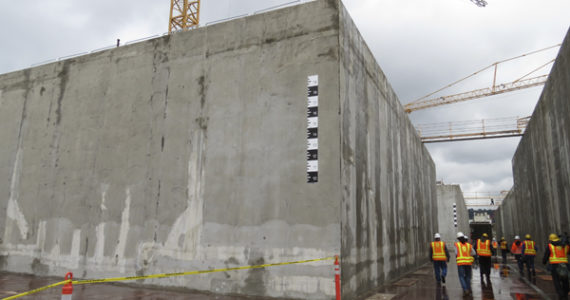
38, 268
254, 283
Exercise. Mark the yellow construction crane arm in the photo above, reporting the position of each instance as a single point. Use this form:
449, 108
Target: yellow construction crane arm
484, 92
495, 89
184, 15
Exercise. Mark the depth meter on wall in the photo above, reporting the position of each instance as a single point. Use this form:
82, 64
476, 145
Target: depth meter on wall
313, 129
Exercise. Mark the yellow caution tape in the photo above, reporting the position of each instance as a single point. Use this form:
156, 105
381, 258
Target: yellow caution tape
164, 275
196, 272
37, 290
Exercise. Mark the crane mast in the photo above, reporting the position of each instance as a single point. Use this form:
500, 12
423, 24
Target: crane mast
184, 15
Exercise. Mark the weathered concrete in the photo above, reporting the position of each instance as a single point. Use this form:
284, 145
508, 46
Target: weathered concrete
447, 195
188, 152
388, 212
539, 202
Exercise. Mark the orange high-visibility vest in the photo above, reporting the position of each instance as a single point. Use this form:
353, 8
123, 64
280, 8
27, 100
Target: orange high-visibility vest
557, 255
495, 245
438, 251
529, 248
464, 257
483, 249
504, 245
516, 249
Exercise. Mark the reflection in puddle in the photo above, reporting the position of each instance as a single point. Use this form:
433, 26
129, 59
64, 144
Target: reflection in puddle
441, 293
519, 296
505, 271
487, 291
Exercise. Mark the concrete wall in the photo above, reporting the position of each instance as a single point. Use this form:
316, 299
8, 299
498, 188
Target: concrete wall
188, 152
505, 225
388, 209
539, 203
447, 195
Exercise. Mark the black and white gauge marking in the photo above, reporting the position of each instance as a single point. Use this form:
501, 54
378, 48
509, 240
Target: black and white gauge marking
313, 129
455, 215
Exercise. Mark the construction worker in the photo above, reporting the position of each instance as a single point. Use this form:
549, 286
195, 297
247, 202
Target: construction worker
529, 252
464, 255
484, 253
516, 250
504, 249
556, 254
439, 256
495, 246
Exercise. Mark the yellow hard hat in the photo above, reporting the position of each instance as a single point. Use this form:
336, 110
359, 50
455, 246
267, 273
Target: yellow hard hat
527, 236
485, 235
502, 238
553, 237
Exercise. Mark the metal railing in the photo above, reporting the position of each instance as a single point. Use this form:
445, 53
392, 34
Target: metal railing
289, 3
472, 129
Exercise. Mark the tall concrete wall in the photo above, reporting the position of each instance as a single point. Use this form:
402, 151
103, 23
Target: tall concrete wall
539, 203
388, 178
188, 152
447, 195
508, 226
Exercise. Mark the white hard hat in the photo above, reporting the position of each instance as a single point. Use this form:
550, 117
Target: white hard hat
437, 236
460, 234
517, 237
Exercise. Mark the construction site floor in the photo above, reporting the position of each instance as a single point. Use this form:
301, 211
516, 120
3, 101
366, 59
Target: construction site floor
506, 283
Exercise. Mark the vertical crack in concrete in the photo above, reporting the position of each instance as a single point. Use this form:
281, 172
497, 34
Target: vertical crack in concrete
63, 77
203, 88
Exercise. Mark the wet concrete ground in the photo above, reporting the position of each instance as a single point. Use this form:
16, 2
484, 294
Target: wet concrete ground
505, 284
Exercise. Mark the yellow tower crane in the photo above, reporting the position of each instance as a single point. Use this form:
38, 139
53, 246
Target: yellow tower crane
184, 15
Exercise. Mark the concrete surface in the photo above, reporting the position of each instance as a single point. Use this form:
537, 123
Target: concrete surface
539, 202
188, 152
418, 284
447, 195
13, 284
388, 211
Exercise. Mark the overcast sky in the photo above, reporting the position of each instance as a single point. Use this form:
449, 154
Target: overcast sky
422, 45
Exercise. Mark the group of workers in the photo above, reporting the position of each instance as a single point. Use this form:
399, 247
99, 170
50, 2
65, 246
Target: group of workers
555, 257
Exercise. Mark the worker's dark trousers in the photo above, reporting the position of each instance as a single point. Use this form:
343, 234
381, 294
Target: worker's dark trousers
560, 284
464, 273
519, 257
485, 265
440, 269
529, 261
504, 254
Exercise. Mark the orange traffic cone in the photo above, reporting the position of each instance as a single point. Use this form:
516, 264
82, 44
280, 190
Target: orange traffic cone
337, 277
67, 289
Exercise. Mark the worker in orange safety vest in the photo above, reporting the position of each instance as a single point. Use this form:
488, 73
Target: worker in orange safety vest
556, 254
529, 252
440, 257
516, 250
484, 253
464, 255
